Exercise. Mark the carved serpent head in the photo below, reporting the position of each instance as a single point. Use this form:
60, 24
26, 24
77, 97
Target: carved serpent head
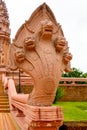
29, 43
46, 29
19, 56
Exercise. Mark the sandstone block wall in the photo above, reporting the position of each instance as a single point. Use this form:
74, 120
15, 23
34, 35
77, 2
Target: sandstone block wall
74, 93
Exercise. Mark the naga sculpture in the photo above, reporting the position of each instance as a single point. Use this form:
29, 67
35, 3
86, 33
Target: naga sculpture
41, 50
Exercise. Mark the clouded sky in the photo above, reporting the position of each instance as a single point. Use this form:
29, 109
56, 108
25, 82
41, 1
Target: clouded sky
71, 14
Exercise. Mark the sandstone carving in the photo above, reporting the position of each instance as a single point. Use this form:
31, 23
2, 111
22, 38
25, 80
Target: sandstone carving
41, 50
4, 34
29, 43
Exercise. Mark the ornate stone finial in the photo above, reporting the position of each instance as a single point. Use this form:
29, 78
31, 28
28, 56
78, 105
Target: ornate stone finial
43, 54
4, 19
4, 31
44, 10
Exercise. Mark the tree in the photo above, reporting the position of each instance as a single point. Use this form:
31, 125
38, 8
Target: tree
74, 73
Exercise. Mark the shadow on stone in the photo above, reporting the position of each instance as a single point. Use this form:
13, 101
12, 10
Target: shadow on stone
63, 127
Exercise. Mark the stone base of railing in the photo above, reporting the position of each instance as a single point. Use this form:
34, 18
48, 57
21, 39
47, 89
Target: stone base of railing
43, 118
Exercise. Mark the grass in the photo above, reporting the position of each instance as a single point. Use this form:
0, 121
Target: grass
74, 111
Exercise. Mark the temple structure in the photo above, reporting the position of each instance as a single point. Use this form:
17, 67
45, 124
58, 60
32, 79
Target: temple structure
40, 50
4, 35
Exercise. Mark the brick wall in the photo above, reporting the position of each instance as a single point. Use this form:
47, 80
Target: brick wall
74, 93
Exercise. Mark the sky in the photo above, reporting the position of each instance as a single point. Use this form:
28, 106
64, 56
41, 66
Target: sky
72, 16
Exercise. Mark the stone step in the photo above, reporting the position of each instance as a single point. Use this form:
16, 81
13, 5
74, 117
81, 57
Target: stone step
4, 97
3, 94
4, 106
4, 110
3, 100
4, 103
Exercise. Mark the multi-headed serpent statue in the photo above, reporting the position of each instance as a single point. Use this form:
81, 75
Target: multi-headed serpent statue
41, 50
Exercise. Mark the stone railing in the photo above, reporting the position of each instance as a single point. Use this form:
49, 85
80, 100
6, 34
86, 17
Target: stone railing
24, 78
75, 89
64, 81
70, 86
73, 81
31, 117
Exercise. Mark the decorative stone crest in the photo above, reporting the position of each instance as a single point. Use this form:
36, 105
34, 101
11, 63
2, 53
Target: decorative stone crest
4, 34
41, 50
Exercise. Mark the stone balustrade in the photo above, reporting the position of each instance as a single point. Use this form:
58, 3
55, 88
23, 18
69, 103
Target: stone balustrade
70, 81
64, 81
31, 117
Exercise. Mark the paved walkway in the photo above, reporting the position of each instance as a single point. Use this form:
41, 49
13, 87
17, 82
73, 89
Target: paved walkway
7, 122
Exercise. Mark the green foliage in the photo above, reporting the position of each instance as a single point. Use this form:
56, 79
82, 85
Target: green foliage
74, 73
84, 75
74, 111
59, 94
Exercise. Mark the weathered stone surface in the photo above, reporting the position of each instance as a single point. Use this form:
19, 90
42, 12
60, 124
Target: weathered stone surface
4, 34
45, 118
74, 93
41, 50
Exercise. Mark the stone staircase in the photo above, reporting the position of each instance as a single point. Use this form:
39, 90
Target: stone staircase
4, 103
6, 119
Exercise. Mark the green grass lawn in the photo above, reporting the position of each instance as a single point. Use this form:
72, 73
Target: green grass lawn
74, 111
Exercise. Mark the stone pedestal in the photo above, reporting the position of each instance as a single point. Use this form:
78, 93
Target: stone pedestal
43, 118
